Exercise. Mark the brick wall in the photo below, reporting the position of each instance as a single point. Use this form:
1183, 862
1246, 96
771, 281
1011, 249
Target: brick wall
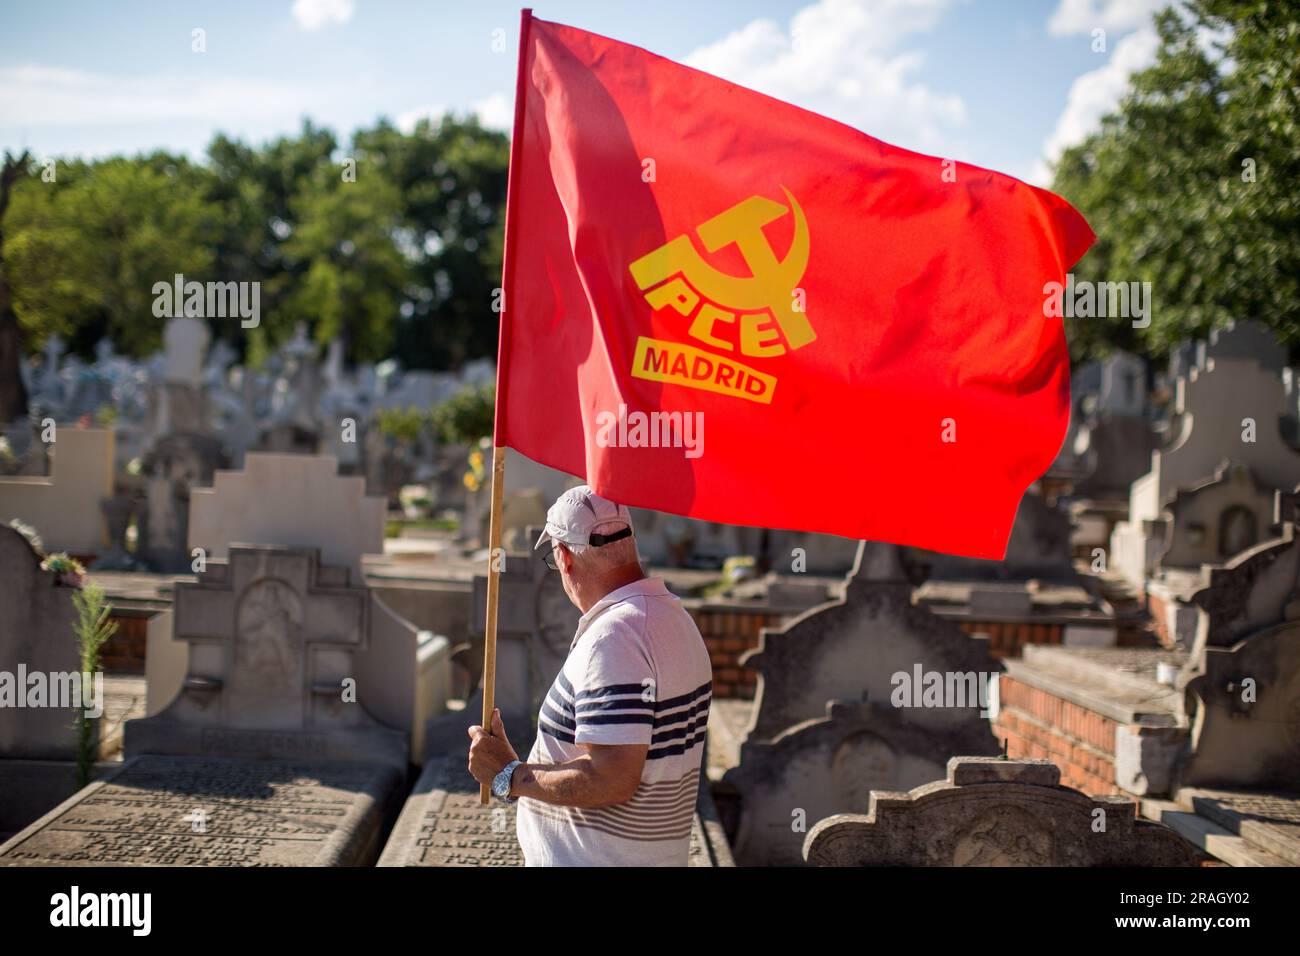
1158, 608
1008, 638
124, 651
728, 633
1034, 723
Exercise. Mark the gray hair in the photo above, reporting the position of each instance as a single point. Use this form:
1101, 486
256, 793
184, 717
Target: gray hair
607, 557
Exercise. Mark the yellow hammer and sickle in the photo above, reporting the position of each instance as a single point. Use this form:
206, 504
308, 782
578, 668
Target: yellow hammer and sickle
771, 283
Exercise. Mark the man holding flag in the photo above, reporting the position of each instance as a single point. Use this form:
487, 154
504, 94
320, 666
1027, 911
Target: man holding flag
681, 248
613, 775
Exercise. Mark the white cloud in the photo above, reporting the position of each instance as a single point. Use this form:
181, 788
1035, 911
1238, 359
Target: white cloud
1084, 16
496, 111
840, 58
1095, 94
37, 96
315, 14
406, 122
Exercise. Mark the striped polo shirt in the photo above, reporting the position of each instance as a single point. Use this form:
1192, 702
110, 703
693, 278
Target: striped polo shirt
637, 673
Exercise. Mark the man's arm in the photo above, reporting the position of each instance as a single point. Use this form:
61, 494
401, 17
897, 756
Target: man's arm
605, 774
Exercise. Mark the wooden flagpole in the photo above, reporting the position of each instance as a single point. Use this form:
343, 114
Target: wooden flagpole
493, 590
495, 557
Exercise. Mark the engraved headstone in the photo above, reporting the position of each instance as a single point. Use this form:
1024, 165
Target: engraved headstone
275, 640
995, 812
443, 824
842, 707
190, 811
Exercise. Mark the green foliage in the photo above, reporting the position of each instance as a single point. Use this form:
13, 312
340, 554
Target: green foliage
466, 417
93, 629
403, 424
400, 256
1166, 185
83, 253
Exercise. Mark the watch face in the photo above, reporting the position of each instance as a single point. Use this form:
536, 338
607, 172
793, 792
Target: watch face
501, 782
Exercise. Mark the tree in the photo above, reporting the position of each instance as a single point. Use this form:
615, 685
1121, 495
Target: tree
13, 395
452, 177
86, 249
351, 274
1190, 185
399, 256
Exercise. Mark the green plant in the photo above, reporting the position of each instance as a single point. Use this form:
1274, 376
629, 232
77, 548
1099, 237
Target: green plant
403, 424
465, 417
93, 629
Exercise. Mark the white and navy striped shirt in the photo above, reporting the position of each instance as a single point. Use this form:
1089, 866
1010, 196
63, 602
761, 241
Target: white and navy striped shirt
637, 673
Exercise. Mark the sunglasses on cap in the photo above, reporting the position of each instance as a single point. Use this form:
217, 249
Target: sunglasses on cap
595, 540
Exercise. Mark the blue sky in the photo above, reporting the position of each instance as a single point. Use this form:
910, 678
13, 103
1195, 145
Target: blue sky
999, 83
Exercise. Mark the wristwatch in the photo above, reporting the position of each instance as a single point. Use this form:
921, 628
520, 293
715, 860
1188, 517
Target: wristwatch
501, 782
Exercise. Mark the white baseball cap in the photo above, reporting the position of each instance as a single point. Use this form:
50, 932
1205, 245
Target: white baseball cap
576, 512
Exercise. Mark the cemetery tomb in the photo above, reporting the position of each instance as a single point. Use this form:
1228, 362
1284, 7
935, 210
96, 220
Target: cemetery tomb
995, 812
188, 811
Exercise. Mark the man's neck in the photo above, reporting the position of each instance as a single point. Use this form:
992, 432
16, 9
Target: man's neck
609, 583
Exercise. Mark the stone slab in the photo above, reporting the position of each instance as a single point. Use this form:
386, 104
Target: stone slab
443, 824
188, 811
1118, 683
1270, 821
1207, 835
1011, 815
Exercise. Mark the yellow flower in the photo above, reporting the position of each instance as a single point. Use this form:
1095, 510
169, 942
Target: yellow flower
471, 481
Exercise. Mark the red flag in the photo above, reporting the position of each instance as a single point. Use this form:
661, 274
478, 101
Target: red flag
722, 306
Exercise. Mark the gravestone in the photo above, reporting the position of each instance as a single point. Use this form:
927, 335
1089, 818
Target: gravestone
185, 811
536, 622
289, 500
178, 404
299, 502
995, 812
175, 465
36, 637
1228, 406
185, 344
272, 638
836, 714
1039, 548
1115, 451
1216, 519
64, 506
1241, 683
443, 824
